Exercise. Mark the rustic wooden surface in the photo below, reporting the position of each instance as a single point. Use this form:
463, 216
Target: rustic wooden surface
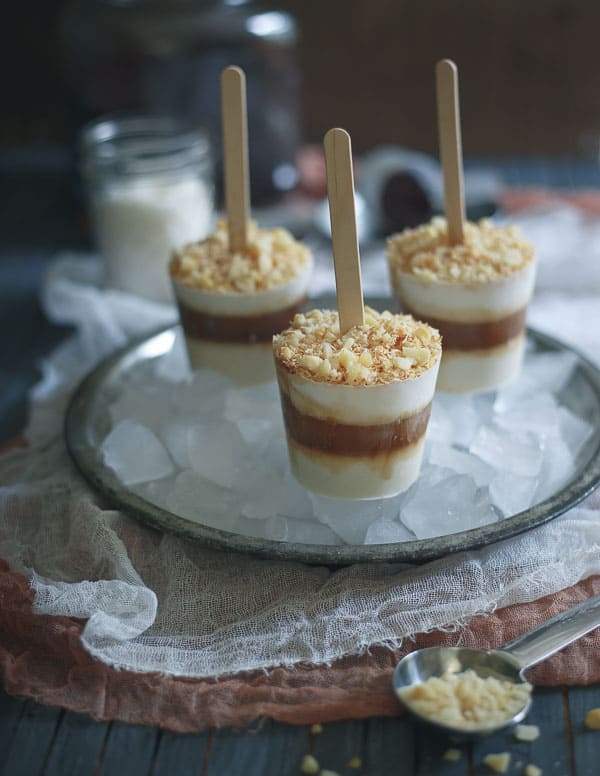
36, 739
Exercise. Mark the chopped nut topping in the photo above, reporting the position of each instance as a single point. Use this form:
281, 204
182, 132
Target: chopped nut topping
385, 348
466, 700
271, 259
488, 252
310, 764
592, 719
498, 762
526, 732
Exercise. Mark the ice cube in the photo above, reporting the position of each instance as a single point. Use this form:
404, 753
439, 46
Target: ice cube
454, 504
286, 529
173, 433
148, 405
203, 502
257, 401
156, 491
256, 432
262, 493
455, 418
537, 413
217, 452
512, 493
551, 370
297, 502
351, 518
575, 430
384, 531
461, 463
173, 366
558, 468
520, 453
202, 396
514, 394
135, 453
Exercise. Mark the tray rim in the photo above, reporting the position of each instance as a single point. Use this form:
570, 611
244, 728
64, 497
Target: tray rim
104, 482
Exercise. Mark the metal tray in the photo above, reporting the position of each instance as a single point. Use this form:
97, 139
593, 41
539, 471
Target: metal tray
87, 422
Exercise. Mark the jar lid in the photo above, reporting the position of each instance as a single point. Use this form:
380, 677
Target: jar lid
142, 145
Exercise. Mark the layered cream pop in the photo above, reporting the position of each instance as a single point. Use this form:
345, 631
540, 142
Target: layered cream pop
356, 406
232, 302
475, 292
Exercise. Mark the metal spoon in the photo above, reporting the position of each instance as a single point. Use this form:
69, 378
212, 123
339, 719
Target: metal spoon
507, 663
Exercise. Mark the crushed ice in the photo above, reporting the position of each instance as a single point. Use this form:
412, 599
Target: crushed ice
214, 453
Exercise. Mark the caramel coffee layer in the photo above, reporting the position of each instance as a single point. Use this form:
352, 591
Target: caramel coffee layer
237, 328
478, 336
329, 436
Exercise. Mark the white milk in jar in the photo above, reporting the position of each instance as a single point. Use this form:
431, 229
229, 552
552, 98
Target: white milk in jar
150, 191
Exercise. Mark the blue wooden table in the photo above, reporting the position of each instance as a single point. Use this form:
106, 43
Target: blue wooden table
39, 215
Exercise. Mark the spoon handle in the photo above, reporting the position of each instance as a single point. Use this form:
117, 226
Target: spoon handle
553, 635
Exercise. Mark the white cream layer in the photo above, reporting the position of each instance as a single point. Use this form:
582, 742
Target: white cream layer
360, 404
481, 370
465, 302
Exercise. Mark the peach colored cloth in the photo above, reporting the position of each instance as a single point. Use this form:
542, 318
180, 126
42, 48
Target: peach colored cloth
41, 657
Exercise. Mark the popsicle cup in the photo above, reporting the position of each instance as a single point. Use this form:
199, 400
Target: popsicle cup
475, 293
356, 385
356, 406
242, 284
231, 304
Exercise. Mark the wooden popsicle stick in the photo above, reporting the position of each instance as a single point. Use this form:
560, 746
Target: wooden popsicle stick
451, 148
346, 257
235, 156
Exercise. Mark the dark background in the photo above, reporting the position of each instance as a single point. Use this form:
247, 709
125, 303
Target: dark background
529, 72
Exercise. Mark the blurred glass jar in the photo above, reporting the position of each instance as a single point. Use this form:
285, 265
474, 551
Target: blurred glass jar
166, 56
149, 186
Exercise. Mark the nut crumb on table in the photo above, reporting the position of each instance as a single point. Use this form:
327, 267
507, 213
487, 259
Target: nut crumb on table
498, 762
316, 729
355, 762
452, 755
532, 770
310, 764
592, 719
526, 732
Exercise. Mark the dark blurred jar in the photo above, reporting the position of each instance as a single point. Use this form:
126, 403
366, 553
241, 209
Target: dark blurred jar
166, 56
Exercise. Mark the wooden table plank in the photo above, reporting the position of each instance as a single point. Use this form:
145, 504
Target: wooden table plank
129, 749
550, 752
32, 741
11, 710
179, 754
339, 743
271, 749
77, 747
390, 746
430, 748
586, 743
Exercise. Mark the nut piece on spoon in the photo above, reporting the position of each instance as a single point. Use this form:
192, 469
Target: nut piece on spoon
438, 684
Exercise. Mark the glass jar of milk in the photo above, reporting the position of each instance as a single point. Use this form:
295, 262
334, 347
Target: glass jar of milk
150, 188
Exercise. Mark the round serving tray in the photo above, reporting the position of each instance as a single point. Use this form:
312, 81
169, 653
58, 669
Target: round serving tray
87, 423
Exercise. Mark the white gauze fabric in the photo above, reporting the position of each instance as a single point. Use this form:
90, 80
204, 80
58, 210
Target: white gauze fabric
157, 603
